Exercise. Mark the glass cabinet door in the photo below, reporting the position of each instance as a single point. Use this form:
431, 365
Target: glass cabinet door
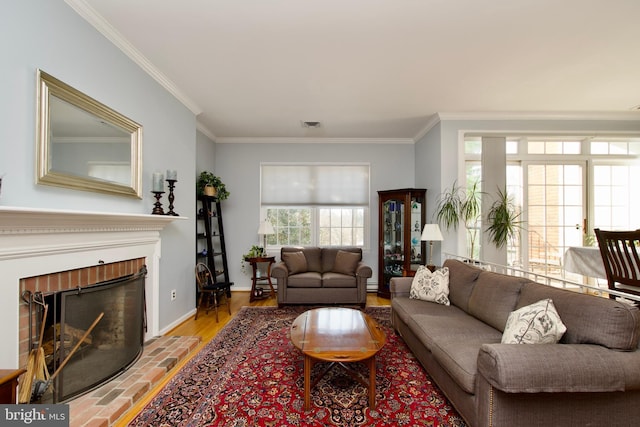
393, 240
401, 219
417, 257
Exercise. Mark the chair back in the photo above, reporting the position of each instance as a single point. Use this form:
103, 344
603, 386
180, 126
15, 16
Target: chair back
204, 278
621, 259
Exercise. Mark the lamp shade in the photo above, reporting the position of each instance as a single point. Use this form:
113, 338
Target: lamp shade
431, 232
265, 227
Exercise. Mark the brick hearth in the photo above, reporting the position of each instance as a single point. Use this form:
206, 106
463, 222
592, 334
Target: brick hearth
103, 406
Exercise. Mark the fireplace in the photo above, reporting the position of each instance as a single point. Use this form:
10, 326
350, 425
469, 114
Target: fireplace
91, 334
36, 242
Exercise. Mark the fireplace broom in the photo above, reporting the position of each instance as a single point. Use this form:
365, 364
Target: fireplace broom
36, 365
41, 386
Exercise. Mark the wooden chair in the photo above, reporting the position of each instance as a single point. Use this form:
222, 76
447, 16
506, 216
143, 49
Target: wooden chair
620, 252
210, 292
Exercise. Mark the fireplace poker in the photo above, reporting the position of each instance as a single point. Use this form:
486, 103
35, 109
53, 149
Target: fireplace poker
40, 386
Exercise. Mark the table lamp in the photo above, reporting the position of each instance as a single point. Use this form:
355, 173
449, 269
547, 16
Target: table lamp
265, 228
431, 233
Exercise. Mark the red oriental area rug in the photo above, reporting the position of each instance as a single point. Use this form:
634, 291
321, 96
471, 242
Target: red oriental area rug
251, 375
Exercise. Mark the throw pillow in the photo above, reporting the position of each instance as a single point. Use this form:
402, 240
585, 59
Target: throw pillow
346, 263
538, 323
296, 262
428, 286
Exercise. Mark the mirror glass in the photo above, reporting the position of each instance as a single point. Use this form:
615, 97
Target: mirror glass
85, 145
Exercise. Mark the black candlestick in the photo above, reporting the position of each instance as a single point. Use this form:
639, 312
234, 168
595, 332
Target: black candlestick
172, 183
157, 207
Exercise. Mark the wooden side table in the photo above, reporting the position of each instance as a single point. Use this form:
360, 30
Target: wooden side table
9, 385
255, 280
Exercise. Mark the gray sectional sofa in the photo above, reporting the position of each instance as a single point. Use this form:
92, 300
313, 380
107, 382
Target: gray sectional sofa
590, 378
318, 275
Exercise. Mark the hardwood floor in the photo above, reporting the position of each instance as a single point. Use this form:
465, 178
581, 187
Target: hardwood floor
207, 328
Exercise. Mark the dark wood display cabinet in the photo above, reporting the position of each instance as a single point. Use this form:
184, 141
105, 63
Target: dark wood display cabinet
400, 223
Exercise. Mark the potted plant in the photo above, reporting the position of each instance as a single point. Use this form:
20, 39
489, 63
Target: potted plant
503, 220
211, 185
459, 205
255, 252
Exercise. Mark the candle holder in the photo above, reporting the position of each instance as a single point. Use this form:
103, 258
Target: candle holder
172, 183
157, 207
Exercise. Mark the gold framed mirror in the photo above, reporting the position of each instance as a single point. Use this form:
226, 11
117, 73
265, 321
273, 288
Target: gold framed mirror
83, 144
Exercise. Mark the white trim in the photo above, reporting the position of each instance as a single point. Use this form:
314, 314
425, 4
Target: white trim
543, 115
303, 140
205, 130
431, 123
106, 29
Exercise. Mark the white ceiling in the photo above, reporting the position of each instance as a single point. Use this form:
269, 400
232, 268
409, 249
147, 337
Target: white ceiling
379, 68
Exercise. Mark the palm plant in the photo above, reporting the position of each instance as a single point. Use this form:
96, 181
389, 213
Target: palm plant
503, 220
459, 205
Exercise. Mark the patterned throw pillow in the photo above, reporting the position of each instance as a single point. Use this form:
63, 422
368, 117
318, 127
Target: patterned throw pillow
538, 323
430, 286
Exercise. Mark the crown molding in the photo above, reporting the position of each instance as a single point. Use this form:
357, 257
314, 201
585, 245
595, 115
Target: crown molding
433, 120
205, 130
106, 29
542, 115
314, 140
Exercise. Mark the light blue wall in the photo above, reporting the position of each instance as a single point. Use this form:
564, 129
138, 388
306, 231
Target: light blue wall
49, 35
429, 162
239, 167
205, 153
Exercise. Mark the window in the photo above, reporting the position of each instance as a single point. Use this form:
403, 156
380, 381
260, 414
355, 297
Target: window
316, 204
564, 185
616, 196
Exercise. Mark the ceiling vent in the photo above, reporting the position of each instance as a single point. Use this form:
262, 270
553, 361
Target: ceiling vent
312, 125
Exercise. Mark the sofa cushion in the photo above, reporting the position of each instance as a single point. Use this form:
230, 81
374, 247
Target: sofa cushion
329, 255
589, 319
462, 279
431, 286
313, 255
310, 279
296, 262
537, 323
494, 296
442, 322
346, 263
338, 280
454, 339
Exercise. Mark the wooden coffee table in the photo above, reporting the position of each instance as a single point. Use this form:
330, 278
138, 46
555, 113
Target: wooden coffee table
339, 336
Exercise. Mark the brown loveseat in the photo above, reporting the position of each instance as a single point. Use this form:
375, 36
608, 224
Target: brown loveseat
590, 378
314, 275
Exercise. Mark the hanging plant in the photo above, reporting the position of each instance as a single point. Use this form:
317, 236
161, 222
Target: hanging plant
503, 220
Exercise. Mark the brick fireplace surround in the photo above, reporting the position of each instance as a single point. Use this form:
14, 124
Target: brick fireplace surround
44, 249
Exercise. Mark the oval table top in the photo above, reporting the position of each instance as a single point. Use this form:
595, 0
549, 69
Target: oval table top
336, 334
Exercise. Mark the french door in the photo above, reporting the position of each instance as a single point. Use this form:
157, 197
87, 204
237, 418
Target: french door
555, 212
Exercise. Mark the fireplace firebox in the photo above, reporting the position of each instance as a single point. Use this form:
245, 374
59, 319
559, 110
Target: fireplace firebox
114, 344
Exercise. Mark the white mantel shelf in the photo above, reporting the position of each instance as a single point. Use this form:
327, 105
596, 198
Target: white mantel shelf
18, 220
